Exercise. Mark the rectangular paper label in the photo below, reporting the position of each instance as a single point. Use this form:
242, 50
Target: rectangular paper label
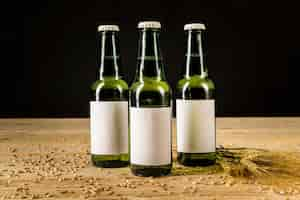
196, 126
109, 127
150, 136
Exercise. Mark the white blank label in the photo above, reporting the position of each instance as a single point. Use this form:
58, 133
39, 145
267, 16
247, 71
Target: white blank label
109, 127
150, 136
196, 126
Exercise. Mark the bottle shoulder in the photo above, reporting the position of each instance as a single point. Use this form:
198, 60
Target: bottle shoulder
150, 93
110, 83
195, 82
150, 85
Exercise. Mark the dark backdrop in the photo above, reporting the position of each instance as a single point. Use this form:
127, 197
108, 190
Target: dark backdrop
49, 57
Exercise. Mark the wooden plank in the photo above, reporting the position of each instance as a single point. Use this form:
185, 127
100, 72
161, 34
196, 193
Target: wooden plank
48, 159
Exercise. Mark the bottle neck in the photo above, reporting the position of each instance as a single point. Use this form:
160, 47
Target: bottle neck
149, 56
195, 64
109, 55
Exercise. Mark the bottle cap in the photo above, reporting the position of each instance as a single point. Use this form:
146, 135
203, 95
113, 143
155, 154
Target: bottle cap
196, 26
149, 24
108, 28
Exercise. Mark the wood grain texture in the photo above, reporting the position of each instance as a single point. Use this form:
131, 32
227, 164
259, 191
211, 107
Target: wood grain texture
49, 159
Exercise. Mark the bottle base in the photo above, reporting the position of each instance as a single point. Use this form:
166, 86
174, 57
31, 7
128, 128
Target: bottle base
196, 159
154, 171
109, 161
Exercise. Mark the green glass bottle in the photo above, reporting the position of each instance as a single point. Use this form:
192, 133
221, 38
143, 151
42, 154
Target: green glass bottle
150, 108
195, 105
109, 107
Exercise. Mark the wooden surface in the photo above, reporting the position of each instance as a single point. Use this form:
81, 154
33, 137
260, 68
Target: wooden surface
49, 159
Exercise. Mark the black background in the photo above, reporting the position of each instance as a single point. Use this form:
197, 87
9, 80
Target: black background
48, 59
